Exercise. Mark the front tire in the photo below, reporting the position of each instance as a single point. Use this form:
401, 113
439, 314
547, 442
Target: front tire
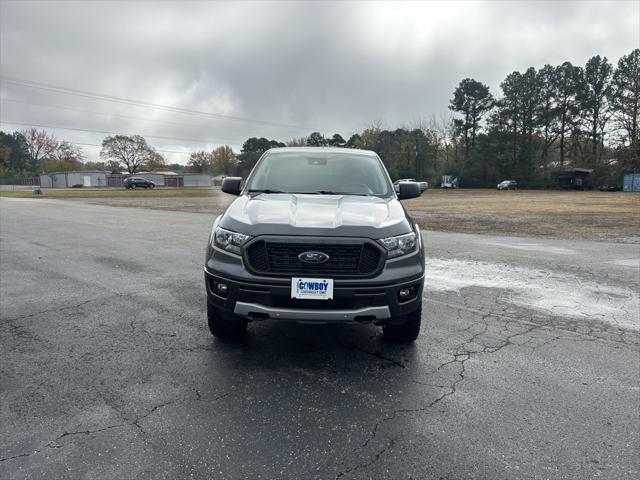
133, 186
406, 332
225, 325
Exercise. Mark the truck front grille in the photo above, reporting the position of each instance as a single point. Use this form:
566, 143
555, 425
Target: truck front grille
281, 258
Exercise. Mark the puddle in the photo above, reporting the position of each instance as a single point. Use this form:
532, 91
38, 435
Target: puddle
534, 247
554, 293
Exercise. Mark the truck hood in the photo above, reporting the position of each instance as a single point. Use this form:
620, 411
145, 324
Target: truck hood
323, 215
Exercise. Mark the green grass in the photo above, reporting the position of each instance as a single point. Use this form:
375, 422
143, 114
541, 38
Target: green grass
112, 192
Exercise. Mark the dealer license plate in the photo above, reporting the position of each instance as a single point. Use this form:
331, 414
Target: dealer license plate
312, 288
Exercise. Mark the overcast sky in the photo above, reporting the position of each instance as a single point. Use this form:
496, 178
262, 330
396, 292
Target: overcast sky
328, 66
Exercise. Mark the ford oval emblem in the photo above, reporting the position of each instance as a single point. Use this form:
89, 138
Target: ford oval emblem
313, 257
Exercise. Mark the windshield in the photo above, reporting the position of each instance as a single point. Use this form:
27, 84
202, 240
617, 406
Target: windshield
320, 173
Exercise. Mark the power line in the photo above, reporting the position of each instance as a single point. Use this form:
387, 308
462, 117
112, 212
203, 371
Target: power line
99, 145
39, 125
63, 107
156, 149
140, 103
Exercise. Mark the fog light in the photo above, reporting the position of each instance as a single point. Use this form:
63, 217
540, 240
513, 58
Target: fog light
405, 294
222, 288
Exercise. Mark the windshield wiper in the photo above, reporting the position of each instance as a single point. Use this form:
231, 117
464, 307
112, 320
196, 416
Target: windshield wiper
329, 192
264, 190
317, 192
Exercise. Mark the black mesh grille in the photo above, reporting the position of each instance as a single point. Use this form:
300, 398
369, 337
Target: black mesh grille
344, 260
369, 258
258, 257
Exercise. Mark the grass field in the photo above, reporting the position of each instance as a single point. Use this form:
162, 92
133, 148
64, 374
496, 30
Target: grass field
610, 216
25, 192
613, 216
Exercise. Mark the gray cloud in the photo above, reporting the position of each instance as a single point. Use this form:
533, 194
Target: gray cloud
328, 66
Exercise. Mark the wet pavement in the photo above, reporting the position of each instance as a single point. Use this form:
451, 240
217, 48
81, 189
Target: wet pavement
527, 367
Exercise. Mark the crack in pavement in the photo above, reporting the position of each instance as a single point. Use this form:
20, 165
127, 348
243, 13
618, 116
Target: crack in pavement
53, 444
136, 423
460, 357
377, 354
553, 322
376, 457
49, 310
18, 456
103, 301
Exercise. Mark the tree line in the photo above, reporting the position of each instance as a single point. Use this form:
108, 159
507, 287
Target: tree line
31, 152
542, 121
547, 119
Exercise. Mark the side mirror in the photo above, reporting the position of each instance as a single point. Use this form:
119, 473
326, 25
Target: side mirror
232, 185
408, 190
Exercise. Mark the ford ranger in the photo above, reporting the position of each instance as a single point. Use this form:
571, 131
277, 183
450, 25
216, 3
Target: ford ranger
316, 235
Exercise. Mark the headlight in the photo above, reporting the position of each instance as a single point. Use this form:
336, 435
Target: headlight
230, 241
400, 245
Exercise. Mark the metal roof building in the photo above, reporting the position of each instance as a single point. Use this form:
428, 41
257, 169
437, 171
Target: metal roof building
86, 178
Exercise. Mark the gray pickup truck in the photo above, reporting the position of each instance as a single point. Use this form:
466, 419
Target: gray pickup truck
316, 235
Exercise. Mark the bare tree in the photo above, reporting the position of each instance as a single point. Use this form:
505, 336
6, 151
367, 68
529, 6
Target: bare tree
39, 145
155, 163
200, 162
370, 136
224, 160
112, 166
132, 151
441, 126
65, 151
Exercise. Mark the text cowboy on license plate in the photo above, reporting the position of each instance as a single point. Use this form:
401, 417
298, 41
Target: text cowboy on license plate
312, 288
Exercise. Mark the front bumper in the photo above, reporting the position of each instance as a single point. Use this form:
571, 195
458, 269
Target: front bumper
363, 315
260, 299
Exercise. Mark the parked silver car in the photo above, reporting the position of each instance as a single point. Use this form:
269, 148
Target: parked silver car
508, 185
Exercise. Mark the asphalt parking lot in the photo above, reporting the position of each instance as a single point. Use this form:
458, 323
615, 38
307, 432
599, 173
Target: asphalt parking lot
528, 365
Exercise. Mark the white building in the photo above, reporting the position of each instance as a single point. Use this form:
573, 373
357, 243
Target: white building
96, 178
86, 178
196, 180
